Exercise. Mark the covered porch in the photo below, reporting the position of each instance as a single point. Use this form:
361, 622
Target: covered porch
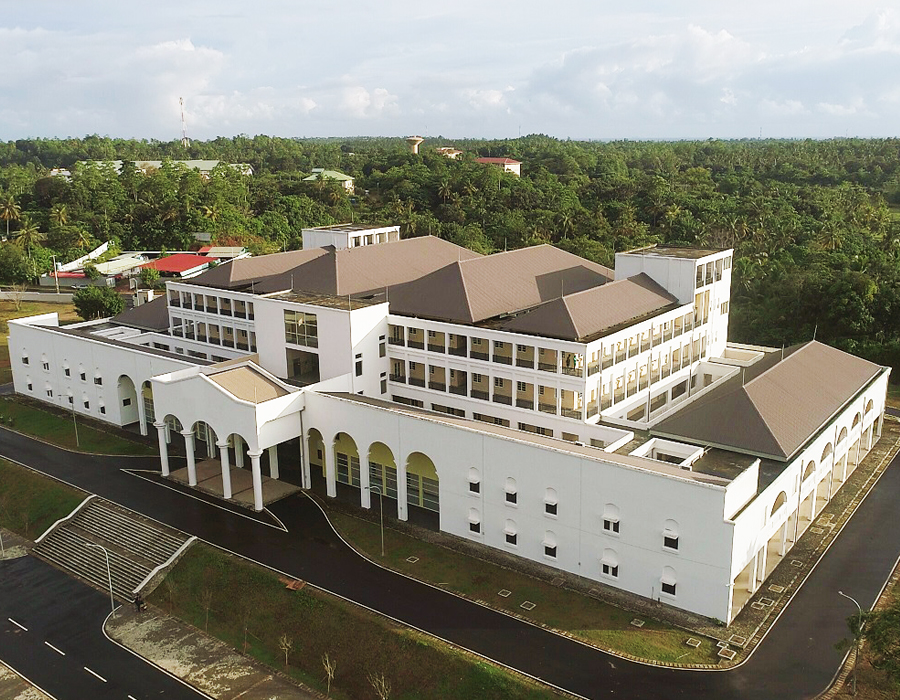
212, 480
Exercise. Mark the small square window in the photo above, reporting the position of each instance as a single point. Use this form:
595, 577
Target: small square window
30, 386
670, 542
611, 570
24, 360
83, 377
98, 381
498, 382
520, 386
512, 497
550, 551
475, 527
474, 487
610, 525
50, 393
550, 508
71, 400
46, 366
668, 588
126, 402
476, 377
68, 372
103, 409
511, 538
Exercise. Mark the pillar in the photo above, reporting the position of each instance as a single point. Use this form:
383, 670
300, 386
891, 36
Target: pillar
304, 464
257, 479
365, 494
273, 461
163, 447
238, 451
762, 566
880, 422
226, 469
142, 413
330, 480
402, 508
189, 450
210, 449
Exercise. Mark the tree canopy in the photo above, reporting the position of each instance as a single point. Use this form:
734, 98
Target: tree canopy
97, 302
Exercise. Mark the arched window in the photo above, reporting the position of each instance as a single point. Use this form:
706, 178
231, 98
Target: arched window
779, 501
869, 406
512, 534
549, 543
45, 363
474, 480
611, 518
856, 420
511, 492
609, 564
474, 521
826, 452
668, 580
842, 436
670, 535
810, 469
550, 502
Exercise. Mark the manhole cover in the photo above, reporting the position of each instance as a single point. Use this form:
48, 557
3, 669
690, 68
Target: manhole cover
796, 562
504, 593
528, 605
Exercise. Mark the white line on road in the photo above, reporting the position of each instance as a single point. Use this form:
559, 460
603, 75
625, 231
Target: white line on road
23, 627
94, 673
131, 697
58, 651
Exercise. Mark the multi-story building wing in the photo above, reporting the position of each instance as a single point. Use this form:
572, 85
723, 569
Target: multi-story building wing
595, 421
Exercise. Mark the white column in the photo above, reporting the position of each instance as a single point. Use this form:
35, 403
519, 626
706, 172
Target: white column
273, 461
304, 463
238, 451
330, 481
365, 495
142, 414
402, 510
191, 463
210, 449
762, 565
163, 447
880, 422
226, 469
257, 480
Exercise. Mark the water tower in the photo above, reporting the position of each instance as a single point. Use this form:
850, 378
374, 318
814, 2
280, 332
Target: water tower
414, 142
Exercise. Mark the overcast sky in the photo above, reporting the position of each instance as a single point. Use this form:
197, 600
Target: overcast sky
588, 69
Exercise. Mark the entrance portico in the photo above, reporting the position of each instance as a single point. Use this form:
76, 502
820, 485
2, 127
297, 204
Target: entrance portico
256, 412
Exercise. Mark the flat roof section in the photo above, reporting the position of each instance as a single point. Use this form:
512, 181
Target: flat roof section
326, 300
248, 385
674, 252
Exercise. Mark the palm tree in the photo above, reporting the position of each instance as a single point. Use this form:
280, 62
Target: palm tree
29, 235
9, 211
444, 190
80, 238
59, 215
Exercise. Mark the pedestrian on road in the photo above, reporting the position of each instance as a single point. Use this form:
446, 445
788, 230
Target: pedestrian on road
139, 604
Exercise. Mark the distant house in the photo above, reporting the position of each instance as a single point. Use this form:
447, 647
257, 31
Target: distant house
449, 152
204, 167
507, 164
345, 180
182, 265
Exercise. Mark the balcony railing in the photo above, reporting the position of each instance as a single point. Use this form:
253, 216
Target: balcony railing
607, 362
175, 302
458, 390
546, 367
503, 398
570, 413
547, 408
524, 363
621, 356
592, 410
400, 378
212, 310
437, 386
396, 341
418, 344
435, 348
475, 355
525, 403
593, 368
503, 359
633, 350
225, 312
415, 381
605, 403
478, 394
458, 352
573, 371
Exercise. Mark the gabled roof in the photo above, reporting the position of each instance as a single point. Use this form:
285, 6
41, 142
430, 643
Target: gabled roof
327, 175
780, 409
589, 313
239, 273
502, 161
473, 290
179, 262
152, 316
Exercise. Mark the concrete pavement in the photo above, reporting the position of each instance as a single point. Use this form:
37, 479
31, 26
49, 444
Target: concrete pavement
796, 660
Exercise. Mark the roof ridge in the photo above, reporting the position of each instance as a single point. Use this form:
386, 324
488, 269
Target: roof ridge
763, 420
800, 348
565, 301
465, 288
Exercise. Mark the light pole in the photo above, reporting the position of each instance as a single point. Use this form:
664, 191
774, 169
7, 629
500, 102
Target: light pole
856, 636
112, 600
380, 512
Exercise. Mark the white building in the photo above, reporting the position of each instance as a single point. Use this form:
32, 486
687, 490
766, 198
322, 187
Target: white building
532, 401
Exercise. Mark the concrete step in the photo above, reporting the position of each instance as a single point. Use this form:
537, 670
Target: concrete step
155, 544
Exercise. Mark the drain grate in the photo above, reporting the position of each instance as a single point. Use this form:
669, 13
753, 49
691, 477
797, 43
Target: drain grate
412, 560
768, 602
528, 605
504, 593
796, 562
757, 606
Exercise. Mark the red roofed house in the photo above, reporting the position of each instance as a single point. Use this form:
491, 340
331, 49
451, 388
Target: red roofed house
182, 265
507, 164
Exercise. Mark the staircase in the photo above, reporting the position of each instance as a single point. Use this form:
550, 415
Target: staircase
136, 546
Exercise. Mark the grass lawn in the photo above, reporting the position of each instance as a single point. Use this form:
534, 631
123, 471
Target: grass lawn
30, 503
27, 308
243, 596
893, 395
60, 430
591, 620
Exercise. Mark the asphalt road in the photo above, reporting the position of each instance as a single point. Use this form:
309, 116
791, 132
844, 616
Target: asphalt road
51, 633
796, 660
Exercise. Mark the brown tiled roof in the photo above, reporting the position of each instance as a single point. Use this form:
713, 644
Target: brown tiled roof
240, 273
248, 384
468, 291
775, 413
153, 316
589, 313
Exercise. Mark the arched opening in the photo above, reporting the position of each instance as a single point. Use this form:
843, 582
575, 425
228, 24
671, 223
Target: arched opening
315, 446
173, 433
128, 408
205, 439
511, 533
808, 472
382, 470
842, 437
147, 398
856, 419
826, 453
668, 581
780, 500
422, 482
346, 461
511, 490
670, 535
611, 518
869, 406
609, 563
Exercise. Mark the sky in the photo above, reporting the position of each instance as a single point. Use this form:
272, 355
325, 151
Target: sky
580, 69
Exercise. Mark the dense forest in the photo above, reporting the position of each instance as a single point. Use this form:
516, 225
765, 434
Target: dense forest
815, 224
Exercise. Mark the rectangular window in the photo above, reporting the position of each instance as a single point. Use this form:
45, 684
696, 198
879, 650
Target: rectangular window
550, 508
29, 386
126, 402
384, 386
382, 349
475, 527
432, 334
83, 377
68, 373
550, 551
511, 538
511, 497
71, 400
670, 542
359, 368
668, 588
498, 382
24, 360
611, 525
476, 377
611, 570
520, 386
87, 404
301, 328
474, 487
98, 381
50, 393
46, 366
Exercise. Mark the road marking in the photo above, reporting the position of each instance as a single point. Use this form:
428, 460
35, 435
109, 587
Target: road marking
94, 673
22, 627
131, 697
58, 651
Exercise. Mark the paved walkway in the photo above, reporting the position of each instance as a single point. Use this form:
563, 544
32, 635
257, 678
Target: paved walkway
209, 480
796, 660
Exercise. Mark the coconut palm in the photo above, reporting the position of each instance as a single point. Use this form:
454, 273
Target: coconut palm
29, 235
9, 211
59, 215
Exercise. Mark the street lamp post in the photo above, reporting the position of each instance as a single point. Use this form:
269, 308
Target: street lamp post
856, 636
380, 512
112, 601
